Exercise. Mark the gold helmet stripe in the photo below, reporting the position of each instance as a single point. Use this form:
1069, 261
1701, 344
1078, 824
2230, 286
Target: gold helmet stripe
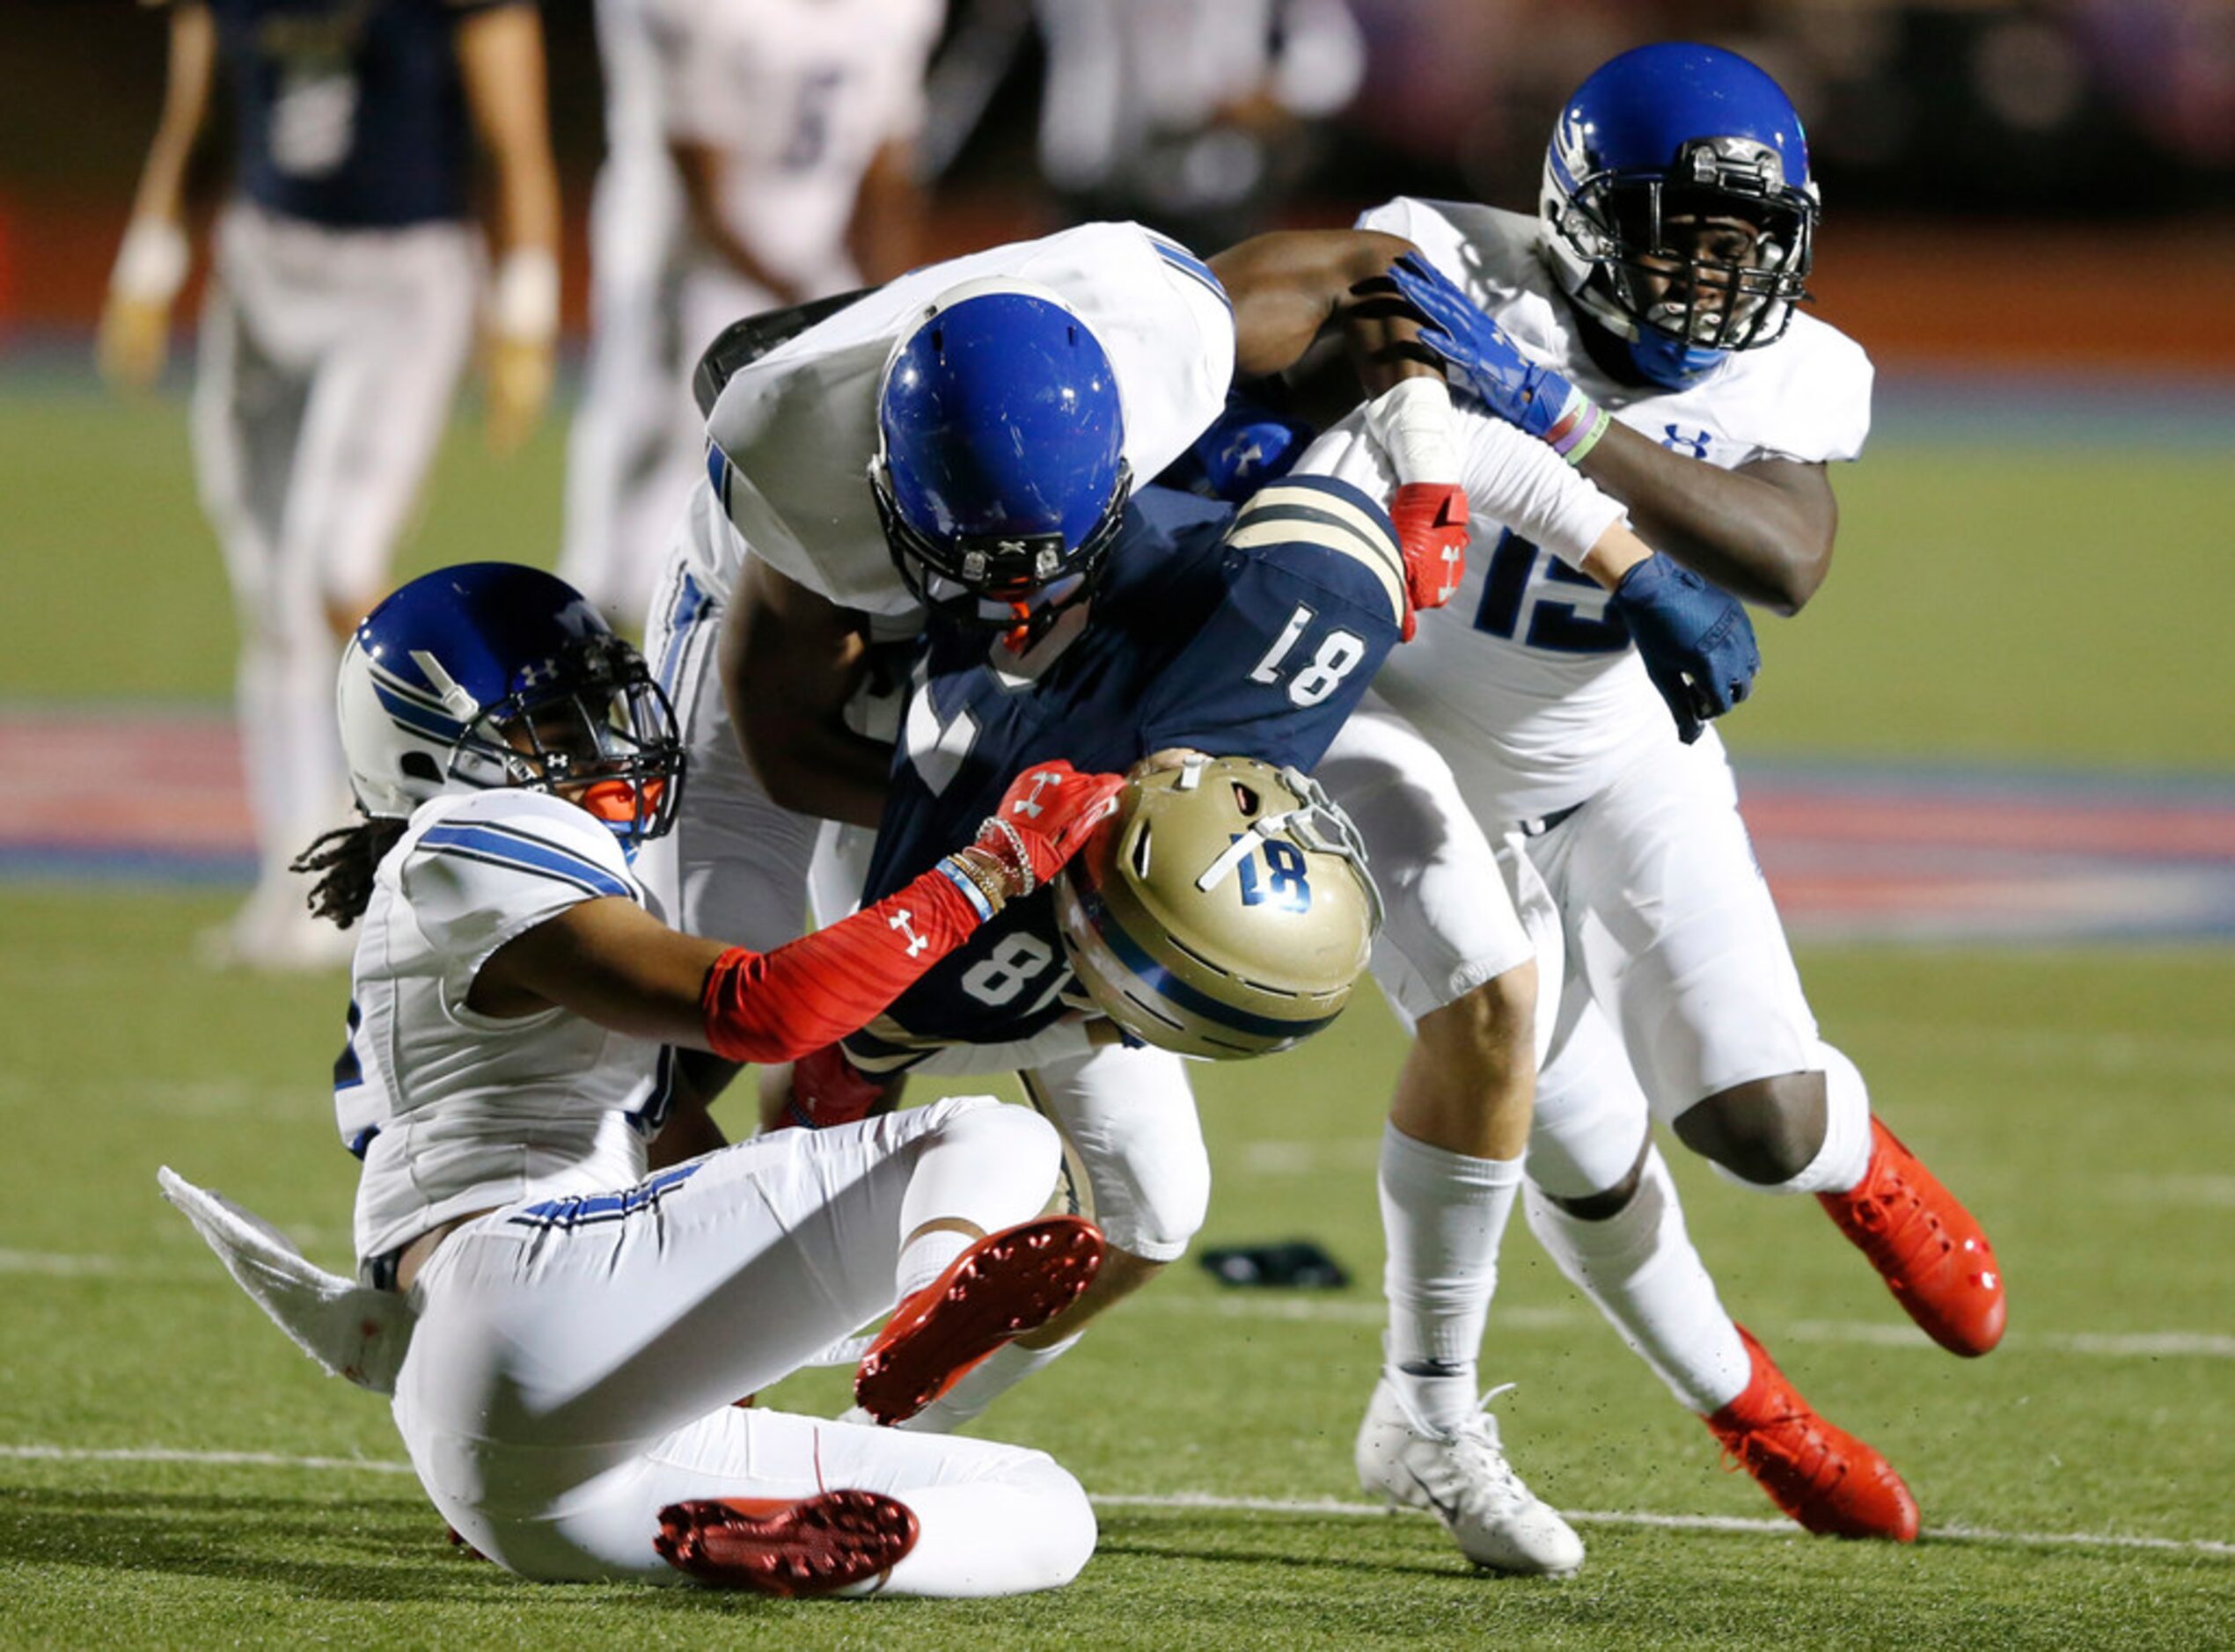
1287, 513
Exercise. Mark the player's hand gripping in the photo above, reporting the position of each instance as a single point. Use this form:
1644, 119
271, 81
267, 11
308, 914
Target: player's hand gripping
1483, 357
1044, 819
1430, 523
1694, 639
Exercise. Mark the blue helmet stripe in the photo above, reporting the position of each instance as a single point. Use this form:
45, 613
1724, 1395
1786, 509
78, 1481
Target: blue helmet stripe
1162, 982
414, 718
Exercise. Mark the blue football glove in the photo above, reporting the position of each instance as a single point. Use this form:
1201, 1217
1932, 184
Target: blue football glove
1694, 639
1483, 357
1246, 446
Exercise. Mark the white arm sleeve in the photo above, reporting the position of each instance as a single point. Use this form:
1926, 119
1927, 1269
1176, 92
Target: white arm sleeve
1517, 480
1510, 479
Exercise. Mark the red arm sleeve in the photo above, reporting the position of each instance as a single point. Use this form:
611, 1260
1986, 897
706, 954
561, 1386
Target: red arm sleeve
765, 1007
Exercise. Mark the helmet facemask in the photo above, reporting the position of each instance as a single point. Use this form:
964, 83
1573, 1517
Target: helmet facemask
592, 727
1709, 257
998, 582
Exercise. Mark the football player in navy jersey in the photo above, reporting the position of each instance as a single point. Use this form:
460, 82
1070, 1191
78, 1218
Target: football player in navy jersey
341, 312
1255, 635
1250, 635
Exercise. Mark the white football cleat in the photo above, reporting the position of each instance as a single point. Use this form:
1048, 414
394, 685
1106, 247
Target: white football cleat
1465, 1480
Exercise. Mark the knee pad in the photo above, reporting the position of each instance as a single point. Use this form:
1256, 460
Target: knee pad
1014, 1137
1129, 1117
1154, 1210
1591, 1119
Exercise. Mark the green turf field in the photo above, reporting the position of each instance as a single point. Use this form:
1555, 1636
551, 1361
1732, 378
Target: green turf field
2076, 1482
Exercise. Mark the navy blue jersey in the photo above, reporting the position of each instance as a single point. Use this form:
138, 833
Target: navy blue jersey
1241, 635
350, 112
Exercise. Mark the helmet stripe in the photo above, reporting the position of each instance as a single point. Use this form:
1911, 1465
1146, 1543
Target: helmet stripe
1162, 982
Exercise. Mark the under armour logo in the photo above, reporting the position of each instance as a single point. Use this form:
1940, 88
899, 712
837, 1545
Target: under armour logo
1041, 781
1695, 444
536, 673
903, 920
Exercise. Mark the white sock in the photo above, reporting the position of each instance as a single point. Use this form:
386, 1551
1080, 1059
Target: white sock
1839, 1163
1443, 1215
291, 750
990, 1165
1641, 1269
1001, 1370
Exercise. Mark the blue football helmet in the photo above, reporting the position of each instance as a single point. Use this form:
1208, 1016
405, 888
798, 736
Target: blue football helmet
1702, 137
491, 675
1000, 474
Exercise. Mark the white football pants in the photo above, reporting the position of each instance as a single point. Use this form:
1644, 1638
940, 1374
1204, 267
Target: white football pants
576, 1362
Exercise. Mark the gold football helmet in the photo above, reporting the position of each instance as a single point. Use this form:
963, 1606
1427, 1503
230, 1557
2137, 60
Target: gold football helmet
1223, 911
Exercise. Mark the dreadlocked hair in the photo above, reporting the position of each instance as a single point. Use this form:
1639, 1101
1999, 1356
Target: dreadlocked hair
347, 856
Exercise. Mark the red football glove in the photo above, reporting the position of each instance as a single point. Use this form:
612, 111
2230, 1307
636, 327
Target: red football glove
1431, 520
828, 1089
1045, 818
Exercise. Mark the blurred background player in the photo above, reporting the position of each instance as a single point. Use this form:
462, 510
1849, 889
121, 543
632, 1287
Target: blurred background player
1659, 281
760, 153
623, 434
341, 312
1196, 119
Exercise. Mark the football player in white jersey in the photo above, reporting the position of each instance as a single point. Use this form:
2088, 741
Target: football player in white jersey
782, 170
997, 426
968, 437
575, 1332
340, 311
1643, 329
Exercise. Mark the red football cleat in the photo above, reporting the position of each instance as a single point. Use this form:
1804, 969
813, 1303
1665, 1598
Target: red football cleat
1006, 1285
811, 1546
1934, 1257
1825, 1477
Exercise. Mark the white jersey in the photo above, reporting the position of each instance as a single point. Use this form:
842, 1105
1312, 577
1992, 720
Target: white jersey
797, 96
453, 1111
794, 431
1524, 672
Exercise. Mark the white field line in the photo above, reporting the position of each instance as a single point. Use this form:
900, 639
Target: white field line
2097, 1345
1208, 1501
212, 1459
2100, 1345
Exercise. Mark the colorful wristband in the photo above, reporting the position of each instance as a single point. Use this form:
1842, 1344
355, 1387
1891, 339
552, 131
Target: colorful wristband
1580, 428
976, 893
